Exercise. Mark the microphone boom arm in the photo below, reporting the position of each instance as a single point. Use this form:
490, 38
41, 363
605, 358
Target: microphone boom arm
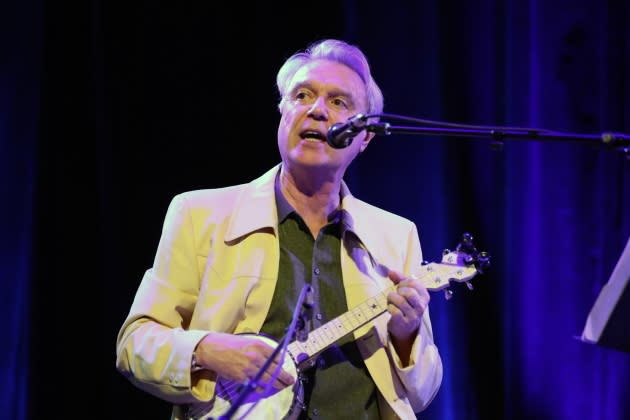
615, 140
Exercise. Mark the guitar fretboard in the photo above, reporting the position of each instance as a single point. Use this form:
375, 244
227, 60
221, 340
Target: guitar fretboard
434, 277
344, 324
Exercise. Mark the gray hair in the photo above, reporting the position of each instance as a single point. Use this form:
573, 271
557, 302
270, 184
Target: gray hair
340, 52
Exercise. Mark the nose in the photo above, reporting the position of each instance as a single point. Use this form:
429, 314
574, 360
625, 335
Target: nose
318, 110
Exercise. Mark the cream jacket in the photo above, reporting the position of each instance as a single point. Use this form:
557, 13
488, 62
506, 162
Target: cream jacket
215, 270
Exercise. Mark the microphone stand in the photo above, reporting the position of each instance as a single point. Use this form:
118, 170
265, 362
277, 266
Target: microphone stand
298, 326
499, 134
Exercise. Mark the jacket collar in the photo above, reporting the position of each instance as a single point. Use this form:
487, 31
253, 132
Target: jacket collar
255, 209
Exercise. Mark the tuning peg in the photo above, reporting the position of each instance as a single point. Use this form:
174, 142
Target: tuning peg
483, 260
469, 285
446, 252
466, 244
425, 262
448, 294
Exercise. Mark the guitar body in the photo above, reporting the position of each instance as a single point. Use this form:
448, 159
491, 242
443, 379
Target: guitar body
285, 404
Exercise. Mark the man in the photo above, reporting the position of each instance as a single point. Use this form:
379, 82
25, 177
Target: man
233, 261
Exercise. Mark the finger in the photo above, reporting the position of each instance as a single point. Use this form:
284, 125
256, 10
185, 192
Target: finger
401, 304
395, 312
412, 297
410, 314
411, 282
284, 377
259, 355
418, 288
255, 360
395, 276
264, 382
282, 380
263, 348
274, 368
244, 376
401, 281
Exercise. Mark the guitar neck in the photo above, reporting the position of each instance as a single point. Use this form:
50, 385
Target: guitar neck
434, 277
322, 337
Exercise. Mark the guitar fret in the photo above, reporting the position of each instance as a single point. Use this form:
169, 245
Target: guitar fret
312, 344
354, 312
327, 332
319, 339
364, 312
356, 315
373, 307
351, 320
295, 348
338, 327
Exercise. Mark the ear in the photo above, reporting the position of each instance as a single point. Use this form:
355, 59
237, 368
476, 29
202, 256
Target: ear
366, 141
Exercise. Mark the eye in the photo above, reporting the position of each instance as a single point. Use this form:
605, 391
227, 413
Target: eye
303, 96
340, 103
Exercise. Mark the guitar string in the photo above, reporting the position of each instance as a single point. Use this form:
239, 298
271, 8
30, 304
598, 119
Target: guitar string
233, 386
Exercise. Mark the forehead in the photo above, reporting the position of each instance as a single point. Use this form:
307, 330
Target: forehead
326, 74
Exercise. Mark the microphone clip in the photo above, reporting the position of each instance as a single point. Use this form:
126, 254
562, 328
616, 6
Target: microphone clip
340, 135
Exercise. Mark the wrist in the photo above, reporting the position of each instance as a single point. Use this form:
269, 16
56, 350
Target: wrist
195, 359
194, 365
402, 346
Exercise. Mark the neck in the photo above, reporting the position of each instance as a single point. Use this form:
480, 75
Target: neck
313, 197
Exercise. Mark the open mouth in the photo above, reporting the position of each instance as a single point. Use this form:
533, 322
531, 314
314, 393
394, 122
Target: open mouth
312, 135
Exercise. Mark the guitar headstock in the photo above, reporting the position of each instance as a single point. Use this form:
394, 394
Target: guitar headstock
459, 266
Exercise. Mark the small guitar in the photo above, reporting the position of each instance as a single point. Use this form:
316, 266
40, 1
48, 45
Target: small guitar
460, 266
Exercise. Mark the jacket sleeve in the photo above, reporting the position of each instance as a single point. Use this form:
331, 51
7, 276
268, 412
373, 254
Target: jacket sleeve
154, 347
423, 376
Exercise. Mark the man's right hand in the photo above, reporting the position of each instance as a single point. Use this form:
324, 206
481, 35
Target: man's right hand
239, 358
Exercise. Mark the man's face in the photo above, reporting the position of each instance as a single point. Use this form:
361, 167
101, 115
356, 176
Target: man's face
320, 94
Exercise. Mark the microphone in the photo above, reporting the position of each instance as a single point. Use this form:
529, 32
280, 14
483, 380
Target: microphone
340, 135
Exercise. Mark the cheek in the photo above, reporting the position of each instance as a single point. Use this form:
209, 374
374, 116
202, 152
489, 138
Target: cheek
287, 120
283, 127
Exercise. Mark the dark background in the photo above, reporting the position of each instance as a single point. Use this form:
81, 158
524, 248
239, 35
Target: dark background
107, 110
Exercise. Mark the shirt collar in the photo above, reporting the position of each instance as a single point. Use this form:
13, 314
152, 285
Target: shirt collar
285, 208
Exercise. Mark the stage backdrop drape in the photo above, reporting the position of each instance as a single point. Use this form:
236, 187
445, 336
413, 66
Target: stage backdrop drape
554, 216
108, 110
20, 38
